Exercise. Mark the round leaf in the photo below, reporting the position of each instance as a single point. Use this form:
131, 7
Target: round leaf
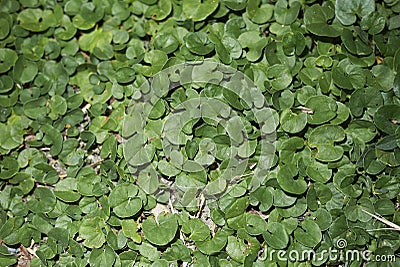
162, 231
198, 10
124, 201
276, 235
8, 58
308, 234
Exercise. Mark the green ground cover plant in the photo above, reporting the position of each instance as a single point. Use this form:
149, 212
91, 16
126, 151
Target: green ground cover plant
199, 132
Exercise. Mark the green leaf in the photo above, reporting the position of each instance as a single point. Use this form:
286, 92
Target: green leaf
66, 190
282, 200
254, 43
58, 106
127, 258
198, 10
42, 200
276, 235
262, 196
348, 76
236, 207
255, 225
346, 11
235, 4
236, 249
197, 229
383, 78
124, 201
166, 42
137, 152
323, 218
214, 245
287, 181
355, 211
178, 251
53, 137
373, 22
82, 80
198, 43
91, 230
159, 11
104, 255
280, 76
156, 59
323, 138
89, 14
13, 132
6, 84
148, 180
168, 169
384, 207
293, 43
286, 13
36, 20
319, 172
365, 98
355, 45
259, 14
292, 122
386, 118
316, 20
7, 258
161, 231
129, 228
322, 109
149, 252
308, 234
343, 114
8, 58
5, 30
135, 51
98, 43
89, 184
363, 130
9, 167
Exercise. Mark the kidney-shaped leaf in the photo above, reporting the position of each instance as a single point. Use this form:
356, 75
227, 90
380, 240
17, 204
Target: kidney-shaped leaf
286, 180
292, 122
162, 231
308, 234
319, 172
214, 245
8, 58
198, 10
323, 109
124, 201
348, 75
197, 229
316, 20
286, 13
347, 10
91, 230
323, 138
255, 225
276, 235
198, 43
387, 118
36, 20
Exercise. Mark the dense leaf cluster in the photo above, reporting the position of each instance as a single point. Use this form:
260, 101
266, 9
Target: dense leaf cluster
72, 196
